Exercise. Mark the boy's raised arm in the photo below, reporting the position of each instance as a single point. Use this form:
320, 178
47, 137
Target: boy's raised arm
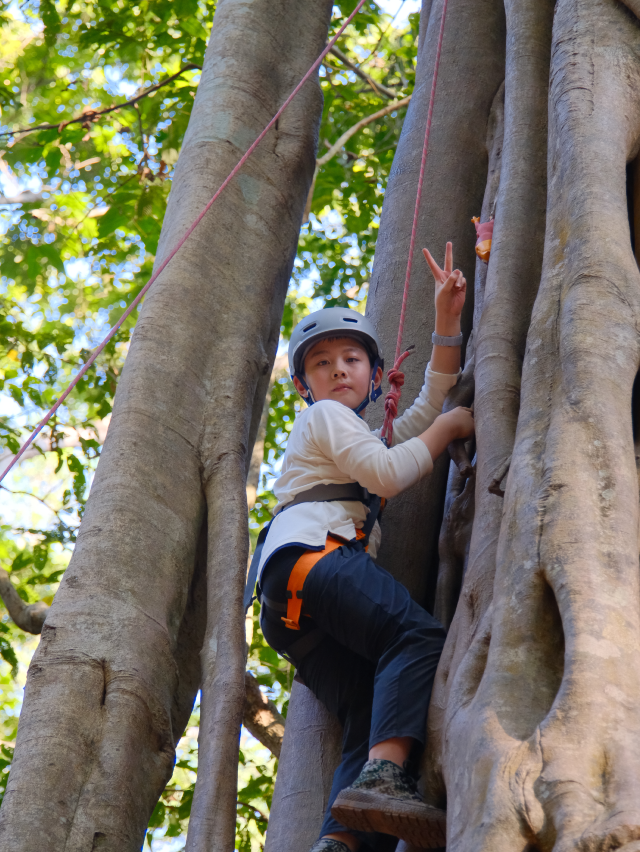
450, 294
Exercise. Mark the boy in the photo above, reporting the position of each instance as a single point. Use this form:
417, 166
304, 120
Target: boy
358, 640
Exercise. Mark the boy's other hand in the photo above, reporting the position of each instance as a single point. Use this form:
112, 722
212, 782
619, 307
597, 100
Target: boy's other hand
460, 422
455, 424
451, 288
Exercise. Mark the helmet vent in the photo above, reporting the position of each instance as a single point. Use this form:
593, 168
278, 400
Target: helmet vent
309, 327
349, 319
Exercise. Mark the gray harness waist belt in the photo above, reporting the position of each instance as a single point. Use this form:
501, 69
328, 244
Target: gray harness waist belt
330, 493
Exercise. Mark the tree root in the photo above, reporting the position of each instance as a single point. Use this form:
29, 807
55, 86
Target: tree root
453, 546
494, 486
460, 457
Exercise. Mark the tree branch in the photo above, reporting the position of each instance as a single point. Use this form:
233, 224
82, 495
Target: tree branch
28, 617
368, 119
337, 146
378, 88
26, 197
262, 815
92, 115
261, 717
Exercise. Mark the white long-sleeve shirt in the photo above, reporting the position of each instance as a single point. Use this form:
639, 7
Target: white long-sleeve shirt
331, 444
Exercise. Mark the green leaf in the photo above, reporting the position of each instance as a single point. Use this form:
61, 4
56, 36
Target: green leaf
51, 20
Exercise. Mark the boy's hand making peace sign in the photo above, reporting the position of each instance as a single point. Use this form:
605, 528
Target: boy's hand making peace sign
451, 291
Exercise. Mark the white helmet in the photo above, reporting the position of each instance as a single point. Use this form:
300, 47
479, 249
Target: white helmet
334, 322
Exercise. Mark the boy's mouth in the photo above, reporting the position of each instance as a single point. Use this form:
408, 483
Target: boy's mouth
341, 388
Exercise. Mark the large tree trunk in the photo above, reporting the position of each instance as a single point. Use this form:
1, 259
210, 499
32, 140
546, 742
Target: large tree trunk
113, 681
304, 774
501, 330
471, 71
543, 701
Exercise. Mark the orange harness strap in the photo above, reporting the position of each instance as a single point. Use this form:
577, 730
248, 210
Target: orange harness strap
299, 575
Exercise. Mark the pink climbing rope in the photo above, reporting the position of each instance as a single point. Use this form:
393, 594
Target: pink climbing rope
395, 375
180, 244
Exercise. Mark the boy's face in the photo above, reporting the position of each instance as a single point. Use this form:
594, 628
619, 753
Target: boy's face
338, 369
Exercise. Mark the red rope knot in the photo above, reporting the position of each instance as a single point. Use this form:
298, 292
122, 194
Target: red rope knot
391, 400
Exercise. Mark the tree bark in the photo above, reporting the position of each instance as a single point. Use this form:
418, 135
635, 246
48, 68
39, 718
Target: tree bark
459, 509
512, 281
471, 71
543, 701
304, 774
113, 681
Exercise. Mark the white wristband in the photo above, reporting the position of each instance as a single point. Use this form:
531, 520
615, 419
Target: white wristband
440, 340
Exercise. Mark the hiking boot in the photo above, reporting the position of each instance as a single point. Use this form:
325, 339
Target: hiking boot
329, 844
384, 798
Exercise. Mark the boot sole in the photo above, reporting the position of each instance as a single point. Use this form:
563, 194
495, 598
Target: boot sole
417, 824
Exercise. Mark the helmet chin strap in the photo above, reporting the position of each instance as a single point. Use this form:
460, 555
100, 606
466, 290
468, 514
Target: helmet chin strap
372, 396
309, 397
374, 392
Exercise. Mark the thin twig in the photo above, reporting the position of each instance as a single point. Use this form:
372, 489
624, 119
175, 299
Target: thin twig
35, 497
382, 35
341, 142
337, 146
93, 115
377, 87
253, 808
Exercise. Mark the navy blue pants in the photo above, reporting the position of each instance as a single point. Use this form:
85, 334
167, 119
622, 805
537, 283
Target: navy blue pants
375, 667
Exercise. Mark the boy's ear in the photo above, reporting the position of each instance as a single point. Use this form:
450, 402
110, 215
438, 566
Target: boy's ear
300, 387
378, 379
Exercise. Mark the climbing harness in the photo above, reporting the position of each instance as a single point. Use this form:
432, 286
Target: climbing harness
395, 376
299, 574
292, 610
345, 492
177, 248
